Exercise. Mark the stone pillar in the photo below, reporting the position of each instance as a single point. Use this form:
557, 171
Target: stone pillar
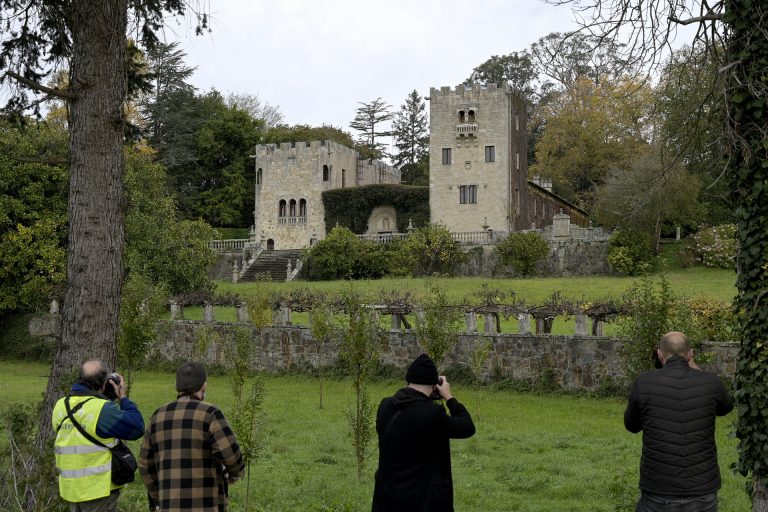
419, 316
597, 327
544, 325
288, 271
471, 319
524, 322
208, 312
489, 324
285, 315
235, 272
677, 233
54, 307
242, 314
177, 312
581, 325
396, 324
561, 225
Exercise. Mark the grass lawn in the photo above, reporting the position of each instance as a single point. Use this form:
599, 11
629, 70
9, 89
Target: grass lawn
531, 453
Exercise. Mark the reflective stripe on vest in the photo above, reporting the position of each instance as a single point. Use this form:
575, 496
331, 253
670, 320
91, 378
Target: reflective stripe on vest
84, 468
80, 473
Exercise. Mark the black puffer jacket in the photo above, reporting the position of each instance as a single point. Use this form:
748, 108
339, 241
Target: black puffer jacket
675, 407
414, 472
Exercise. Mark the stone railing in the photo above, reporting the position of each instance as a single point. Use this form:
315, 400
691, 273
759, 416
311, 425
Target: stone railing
383, 238
478, 237
466, 128
230, 245
292, 220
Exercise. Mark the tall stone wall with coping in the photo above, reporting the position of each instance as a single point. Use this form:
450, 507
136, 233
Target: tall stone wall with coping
575, 362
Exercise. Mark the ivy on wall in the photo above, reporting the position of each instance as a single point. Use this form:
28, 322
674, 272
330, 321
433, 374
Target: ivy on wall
351, 207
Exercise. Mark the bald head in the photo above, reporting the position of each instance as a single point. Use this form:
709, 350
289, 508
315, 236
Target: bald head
674, 343
93, 374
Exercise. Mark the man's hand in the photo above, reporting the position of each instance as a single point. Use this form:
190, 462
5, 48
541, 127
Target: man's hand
119, 388
444, 389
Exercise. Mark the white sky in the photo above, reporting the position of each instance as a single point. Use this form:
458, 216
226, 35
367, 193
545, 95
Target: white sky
316, 59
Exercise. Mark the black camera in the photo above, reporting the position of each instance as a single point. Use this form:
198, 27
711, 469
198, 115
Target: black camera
435, 393
109, 390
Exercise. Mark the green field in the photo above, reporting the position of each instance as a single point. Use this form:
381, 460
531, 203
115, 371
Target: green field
531, 453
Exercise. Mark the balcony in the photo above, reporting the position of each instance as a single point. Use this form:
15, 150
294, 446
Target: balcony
466, 129
291, 220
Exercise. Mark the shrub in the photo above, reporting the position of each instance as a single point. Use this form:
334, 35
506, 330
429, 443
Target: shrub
630, 252
342, 255
522, 251
428, 250
716, 246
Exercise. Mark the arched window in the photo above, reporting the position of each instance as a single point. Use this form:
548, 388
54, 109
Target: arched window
471, 116
461, 116
302, 207
270, 245
292, 209
281, 209
326, 173
258, 176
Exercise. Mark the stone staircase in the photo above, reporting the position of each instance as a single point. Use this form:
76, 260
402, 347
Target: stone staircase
274, 263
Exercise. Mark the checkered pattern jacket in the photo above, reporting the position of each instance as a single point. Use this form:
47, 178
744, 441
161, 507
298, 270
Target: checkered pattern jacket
188, 457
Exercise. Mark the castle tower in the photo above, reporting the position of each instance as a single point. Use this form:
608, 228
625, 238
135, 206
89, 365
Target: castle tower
478, 170
290, 180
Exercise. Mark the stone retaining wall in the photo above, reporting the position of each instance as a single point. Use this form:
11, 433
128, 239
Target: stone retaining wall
576, 362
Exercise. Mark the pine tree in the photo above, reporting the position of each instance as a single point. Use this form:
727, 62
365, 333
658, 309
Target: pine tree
411, 139
369, 116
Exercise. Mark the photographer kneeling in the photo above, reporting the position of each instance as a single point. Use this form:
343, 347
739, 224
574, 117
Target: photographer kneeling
414, 450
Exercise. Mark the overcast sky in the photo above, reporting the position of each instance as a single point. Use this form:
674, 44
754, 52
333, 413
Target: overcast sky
316, 59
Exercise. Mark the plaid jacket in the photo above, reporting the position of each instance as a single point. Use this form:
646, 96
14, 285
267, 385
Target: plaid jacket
187, 448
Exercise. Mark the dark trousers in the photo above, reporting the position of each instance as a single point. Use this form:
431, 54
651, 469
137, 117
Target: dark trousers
654, 503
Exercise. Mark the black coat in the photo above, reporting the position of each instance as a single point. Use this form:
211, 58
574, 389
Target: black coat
675, 407
414, 472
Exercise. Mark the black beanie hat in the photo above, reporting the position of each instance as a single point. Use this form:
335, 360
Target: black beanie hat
422, 371
190, 378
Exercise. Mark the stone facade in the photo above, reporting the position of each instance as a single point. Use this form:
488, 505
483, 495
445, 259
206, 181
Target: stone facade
290, 178
575, 362
574, 250
477, 159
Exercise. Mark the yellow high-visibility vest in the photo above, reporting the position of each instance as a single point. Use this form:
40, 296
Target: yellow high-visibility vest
85, 469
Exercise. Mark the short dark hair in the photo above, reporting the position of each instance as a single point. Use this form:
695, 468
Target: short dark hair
95, 380
190, 377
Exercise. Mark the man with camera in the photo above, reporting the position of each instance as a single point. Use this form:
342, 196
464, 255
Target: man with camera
675, 407
85, 468
414, 472
189, 455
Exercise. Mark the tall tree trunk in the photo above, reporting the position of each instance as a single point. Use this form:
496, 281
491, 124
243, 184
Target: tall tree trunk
95, 244
747, 102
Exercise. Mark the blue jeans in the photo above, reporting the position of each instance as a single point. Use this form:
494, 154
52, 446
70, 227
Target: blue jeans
654, 503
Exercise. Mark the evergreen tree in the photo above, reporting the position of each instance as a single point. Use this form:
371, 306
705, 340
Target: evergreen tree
410, 130
368, 118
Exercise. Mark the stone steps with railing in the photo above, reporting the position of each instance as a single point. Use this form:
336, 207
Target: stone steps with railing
272, 263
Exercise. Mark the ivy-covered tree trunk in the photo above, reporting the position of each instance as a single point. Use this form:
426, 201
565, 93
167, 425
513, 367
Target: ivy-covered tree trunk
95, 244
747, 102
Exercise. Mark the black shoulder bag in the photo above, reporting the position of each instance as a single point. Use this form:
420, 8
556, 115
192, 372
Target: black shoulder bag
123, 462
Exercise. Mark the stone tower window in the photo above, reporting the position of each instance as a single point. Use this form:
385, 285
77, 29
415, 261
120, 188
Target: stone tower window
467, 194
326, 173
258, 176
471, 116
517, 160
490, 153
462, 118
517, 121
343, 178
292, 208
302, 207
446, 156
281, 208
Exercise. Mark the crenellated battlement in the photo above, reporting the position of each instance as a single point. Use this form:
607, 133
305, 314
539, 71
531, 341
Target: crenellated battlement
293, 148
469, 92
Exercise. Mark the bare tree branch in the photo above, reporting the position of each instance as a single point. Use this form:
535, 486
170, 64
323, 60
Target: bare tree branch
698, 19
41, 88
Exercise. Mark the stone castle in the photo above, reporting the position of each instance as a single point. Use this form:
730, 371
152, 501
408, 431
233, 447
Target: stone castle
290, 178
478, 174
